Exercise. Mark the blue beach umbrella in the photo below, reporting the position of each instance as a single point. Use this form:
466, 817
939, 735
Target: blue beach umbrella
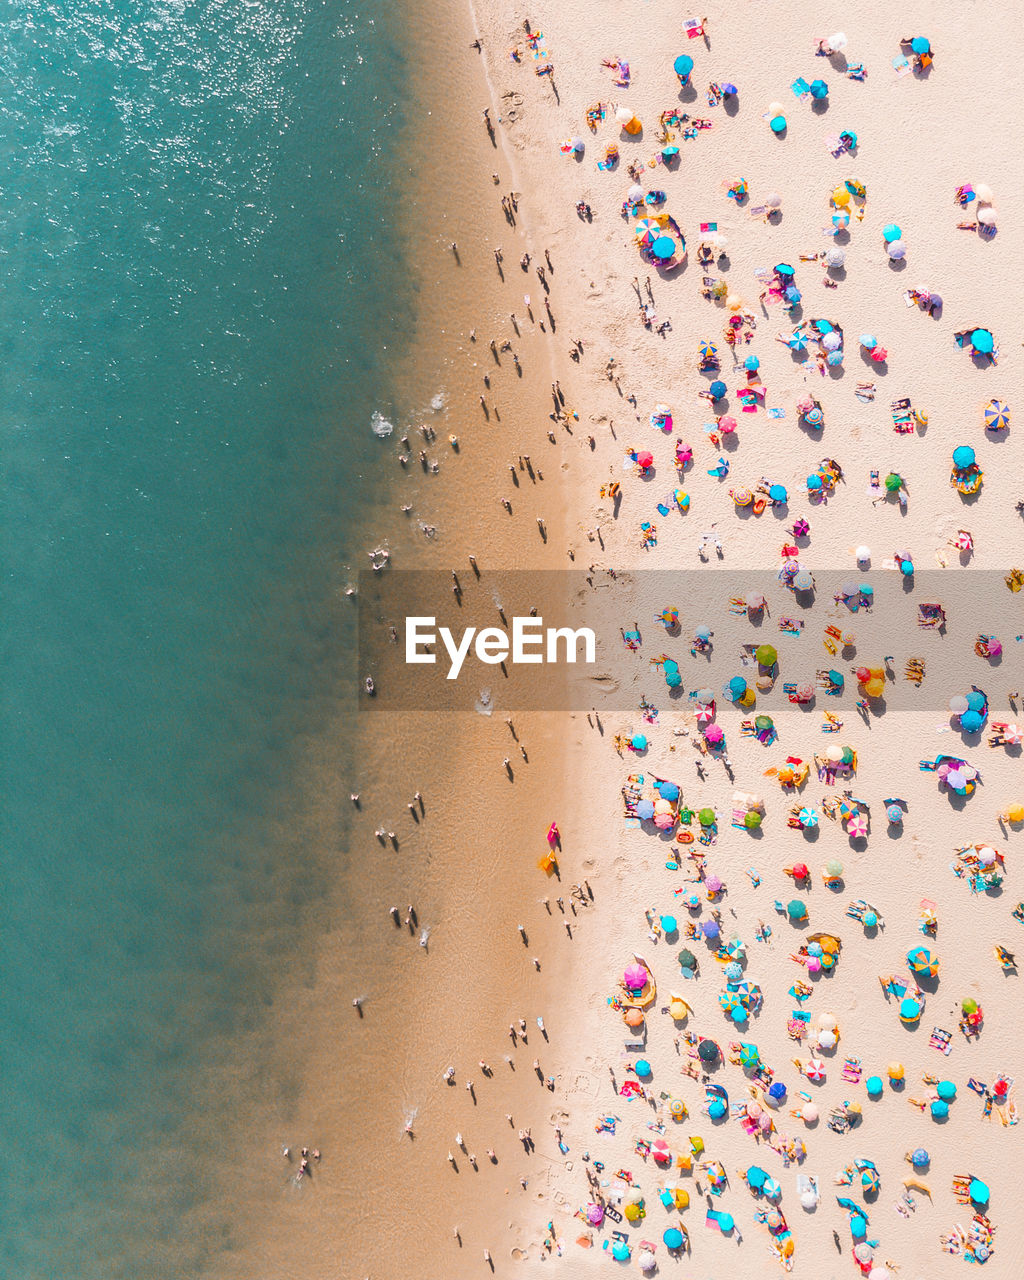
963, 456
920, 45
981, 340
718, 388
891, 232
683, 65
819, 89
673, 1238
778, 124
664, 247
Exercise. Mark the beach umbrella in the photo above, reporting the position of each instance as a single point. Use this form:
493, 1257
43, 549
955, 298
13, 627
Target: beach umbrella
807, 817
819, 89
710, 929
946, 1090
835, 257
673, 1238
714, 734
857, 827
645, 459
976, 700
669, 924
831, 341
796, 910
858, 1226
718, 389
873, 1084
643, 1068
897, 250
894, 813
752, 820
963, 456
870, 1181
635, 977
767, 657
893, 482
982, 340
921, 961
891, 232
638, 742
971, 721
978, 1192
634, 195
669, 790
910, 1009
834, 359
797, 341
920, 45
707, 1051
717, 1109
646, 230
645, 810
735, 948
673, 679
620, 1251
778, 124
749, 1055
997, 415
804, 580
939, 1109
784, 269
756, 1177
919, 1157
687, 960
737, 686
683, 65
815, 1069
664, 247
634, 1018
814, 418
595, 1215
777, 493
868, 340
646, 1261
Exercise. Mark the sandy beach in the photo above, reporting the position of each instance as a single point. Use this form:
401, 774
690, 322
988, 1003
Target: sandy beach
382, 1201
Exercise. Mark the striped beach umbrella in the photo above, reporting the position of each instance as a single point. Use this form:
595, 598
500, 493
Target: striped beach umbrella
815, 1069
922, 962
807, 817
857, 827
997, 415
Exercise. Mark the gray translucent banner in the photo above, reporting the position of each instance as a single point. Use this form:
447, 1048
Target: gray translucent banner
938, 618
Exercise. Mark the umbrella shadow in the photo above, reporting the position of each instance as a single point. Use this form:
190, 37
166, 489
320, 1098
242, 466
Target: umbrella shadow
811, 834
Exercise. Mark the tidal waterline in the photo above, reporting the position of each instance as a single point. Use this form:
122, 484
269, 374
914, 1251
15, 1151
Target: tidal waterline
198, 316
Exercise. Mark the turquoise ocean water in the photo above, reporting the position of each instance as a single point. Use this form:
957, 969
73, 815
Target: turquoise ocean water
193, 310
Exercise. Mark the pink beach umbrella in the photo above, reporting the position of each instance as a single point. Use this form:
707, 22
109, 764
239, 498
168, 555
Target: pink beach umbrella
857, 827
815, 1070
664, 821
705, 714
714, 733
635, 977
713, 884
595, 1215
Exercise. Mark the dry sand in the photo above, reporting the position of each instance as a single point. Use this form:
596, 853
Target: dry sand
382, 1204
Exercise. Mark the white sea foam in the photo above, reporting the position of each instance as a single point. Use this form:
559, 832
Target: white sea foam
380, 425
